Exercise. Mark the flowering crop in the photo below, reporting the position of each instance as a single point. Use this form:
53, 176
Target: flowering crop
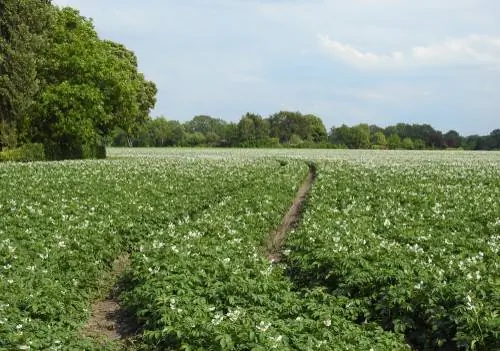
62, 224
205, 284
392, 246
411, 244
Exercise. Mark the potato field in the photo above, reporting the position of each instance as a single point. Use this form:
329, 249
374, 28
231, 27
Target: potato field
390, 250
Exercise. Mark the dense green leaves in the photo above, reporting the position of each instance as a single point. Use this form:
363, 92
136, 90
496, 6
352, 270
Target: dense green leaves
22, 28
295, 130
203, 283
413, 244
194, 227
391, 245
62, 224
60, 84
92, 86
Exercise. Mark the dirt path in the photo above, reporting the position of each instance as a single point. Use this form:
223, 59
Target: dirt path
108, 322
277, 238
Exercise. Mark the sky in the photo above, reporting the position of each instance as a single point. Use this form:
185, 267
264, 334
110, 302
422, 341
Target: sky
349, 62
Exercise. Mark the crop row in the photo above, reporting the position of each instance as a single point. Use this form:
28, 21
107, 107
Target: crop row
206, 284
389, 247
412, 246
63, 224
199, 278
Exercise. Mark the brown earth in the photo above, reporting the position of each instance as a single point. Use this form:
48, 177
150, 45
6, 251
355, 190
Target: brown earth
108, 322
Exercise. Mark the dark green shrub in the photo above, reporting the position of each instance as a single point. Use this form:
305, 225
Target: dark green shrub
74, 151
25, 153
94, 151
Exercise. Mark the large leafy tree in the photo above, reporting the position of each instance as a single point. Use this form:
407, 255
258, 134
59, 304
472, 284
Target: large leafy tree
213, 129
60, 84
253, 130
89, 86
130, 97
23, 24
357, 137
452, 139
285, 124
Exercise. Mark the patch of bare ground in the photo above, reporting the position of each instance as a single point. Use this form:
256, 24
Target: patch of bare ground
108, 322
276, 239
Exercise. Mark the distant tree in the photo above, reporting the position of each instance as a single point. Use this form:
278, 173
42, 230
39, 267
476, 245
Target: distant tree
295, 140
340, 135
357, 137
314, 129
374, 129
424, 132
402, 130
362, 136
394, 142
333, 136
418, 144
213, 129
407, 144
176, 134
484, 143
159, 130
246, 132
309, 127
194, 139
253, 130
472, 142
284, 124
436, 140
495, 139
379, 140
343, 136
452, 139
230, 135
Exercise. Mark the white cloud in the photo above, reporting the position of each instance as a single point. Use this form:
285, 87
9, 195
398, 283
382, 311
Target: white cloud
470, 50
356, 57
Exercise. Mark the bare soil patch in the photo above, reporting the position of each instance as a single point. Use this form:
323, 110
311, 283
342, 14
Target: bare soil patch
108, 321
276, 239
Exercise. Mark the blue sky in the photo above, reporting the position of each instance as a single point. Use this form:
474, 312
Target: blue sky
356, 61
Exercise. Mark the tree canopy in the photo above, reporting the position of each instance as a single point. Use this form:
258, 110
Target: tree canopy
63, 86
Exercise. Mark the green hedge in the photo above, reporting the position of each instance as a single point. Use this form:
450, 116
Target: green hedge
25, 153
74, 151
53, 151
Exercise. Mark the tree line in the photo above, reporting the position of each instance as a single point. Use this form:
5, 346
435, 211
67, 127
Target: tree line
63, 87
294, 129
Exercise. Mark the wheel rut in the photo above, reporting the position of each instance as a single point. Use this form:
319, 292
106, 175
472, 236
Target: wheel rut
108, 322
276, 238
